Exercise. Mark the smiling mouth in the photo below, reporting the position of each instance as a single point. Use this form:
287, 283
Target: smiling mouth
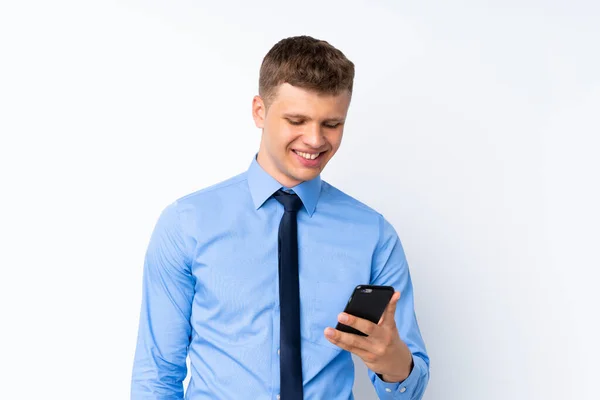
308, 156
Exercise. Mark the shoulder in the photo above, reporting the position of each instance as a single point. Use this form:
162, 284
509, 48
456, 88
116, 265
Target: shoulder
355, 210
216, 190
369, 224
208, 200
339, 199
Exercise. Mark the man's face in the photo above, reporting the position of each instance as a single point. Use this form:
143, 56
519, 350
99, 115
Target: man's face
302, 130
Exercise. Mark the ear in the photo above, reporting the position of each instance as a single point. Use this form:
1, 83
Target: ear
259, 111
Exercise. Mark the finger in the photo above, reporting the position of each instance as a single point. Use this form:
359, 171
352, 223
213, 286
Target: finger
363, 325
390, 310
348, 341
365, 355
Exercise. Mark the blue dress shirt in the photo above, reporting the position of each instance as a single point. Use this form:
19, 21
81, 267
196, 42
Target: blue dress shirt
210, 291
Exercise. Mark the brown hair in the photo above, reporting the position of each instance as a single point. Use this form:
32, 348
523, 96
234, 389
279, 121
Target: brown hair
305, 62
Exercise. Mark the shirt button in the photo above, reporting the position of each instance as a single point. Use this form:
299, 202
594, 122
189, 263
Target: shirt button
388, 390
278, 397
402, 390
277, 351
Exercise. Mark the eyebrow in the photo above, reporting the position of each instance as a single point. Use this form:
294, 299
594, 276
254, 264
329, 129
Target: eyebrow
301, 116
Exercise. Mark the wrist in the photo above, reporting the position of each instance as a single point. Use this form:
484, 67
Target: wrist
395, 378
392, 378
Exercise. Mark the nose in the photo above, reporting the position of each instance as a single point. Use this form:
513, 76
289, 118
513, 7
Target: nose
313, 137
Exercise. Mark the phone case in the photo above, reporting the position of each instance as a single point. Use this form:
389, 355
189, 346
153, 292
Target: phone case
368, 302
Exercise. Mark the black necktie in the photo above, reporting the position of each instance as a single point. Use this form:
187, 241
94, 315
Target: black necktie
289, 299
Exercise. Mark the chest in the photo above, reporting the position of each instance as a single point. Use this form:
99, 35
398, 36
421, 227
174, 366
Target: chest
237, 262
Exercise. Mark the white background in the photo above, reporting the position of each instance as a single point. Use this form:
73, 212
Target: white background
473, 128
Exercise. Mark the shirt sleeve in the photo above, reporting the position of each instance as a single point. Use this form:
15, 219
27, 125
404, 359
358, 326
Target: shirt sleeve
159, 366
391, 268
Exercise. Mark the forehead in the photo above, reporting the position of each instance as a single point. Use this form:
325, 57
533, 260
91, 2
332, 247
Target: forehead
292, 99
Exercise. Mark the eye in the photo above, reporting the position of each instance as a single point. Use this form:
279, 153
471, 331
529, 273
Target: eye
332, 126
295, 122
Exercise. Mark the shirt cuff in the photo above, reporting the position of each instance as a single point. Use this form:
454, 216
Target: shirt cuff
400, 390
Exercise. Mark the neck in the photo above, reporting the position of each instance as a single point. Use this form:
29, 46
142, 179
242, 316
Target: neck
269, 166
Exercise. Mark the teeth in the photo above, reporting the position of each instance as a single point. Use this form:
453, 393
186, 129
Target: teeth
307, 155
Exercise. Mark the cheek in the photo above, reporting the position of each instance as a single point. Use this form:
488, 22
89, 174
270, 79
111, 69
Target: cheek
280, 134
335, 140
287, 137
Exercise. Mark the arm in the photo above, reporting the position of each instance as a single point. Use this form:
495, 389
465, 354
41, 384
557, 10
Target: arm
159, 366
391, 268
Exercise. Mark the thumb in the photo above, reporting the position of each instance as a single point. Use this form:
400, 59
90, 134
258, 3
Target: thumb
390, 310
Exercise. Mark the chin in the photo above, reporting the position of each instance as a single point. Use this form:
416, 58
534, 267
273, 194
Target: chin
301, 173
306, 175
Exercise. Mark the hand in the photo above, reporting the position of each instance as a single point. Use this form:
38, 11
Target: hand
383, 351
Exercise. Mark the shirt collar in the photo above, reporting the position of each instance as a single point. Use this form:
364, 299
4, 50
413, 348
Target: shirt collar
262, 186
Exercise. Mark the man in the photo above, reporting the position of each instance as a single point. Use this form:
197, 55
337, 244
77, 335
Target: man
248, 276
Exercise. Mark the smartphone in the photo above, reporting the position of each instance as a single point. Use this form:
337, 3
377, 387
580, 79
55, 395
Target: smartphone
367, 302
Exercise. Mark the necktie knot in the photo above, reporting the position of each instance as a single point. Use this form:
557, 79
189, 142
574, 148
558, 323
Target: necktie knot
291, 201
